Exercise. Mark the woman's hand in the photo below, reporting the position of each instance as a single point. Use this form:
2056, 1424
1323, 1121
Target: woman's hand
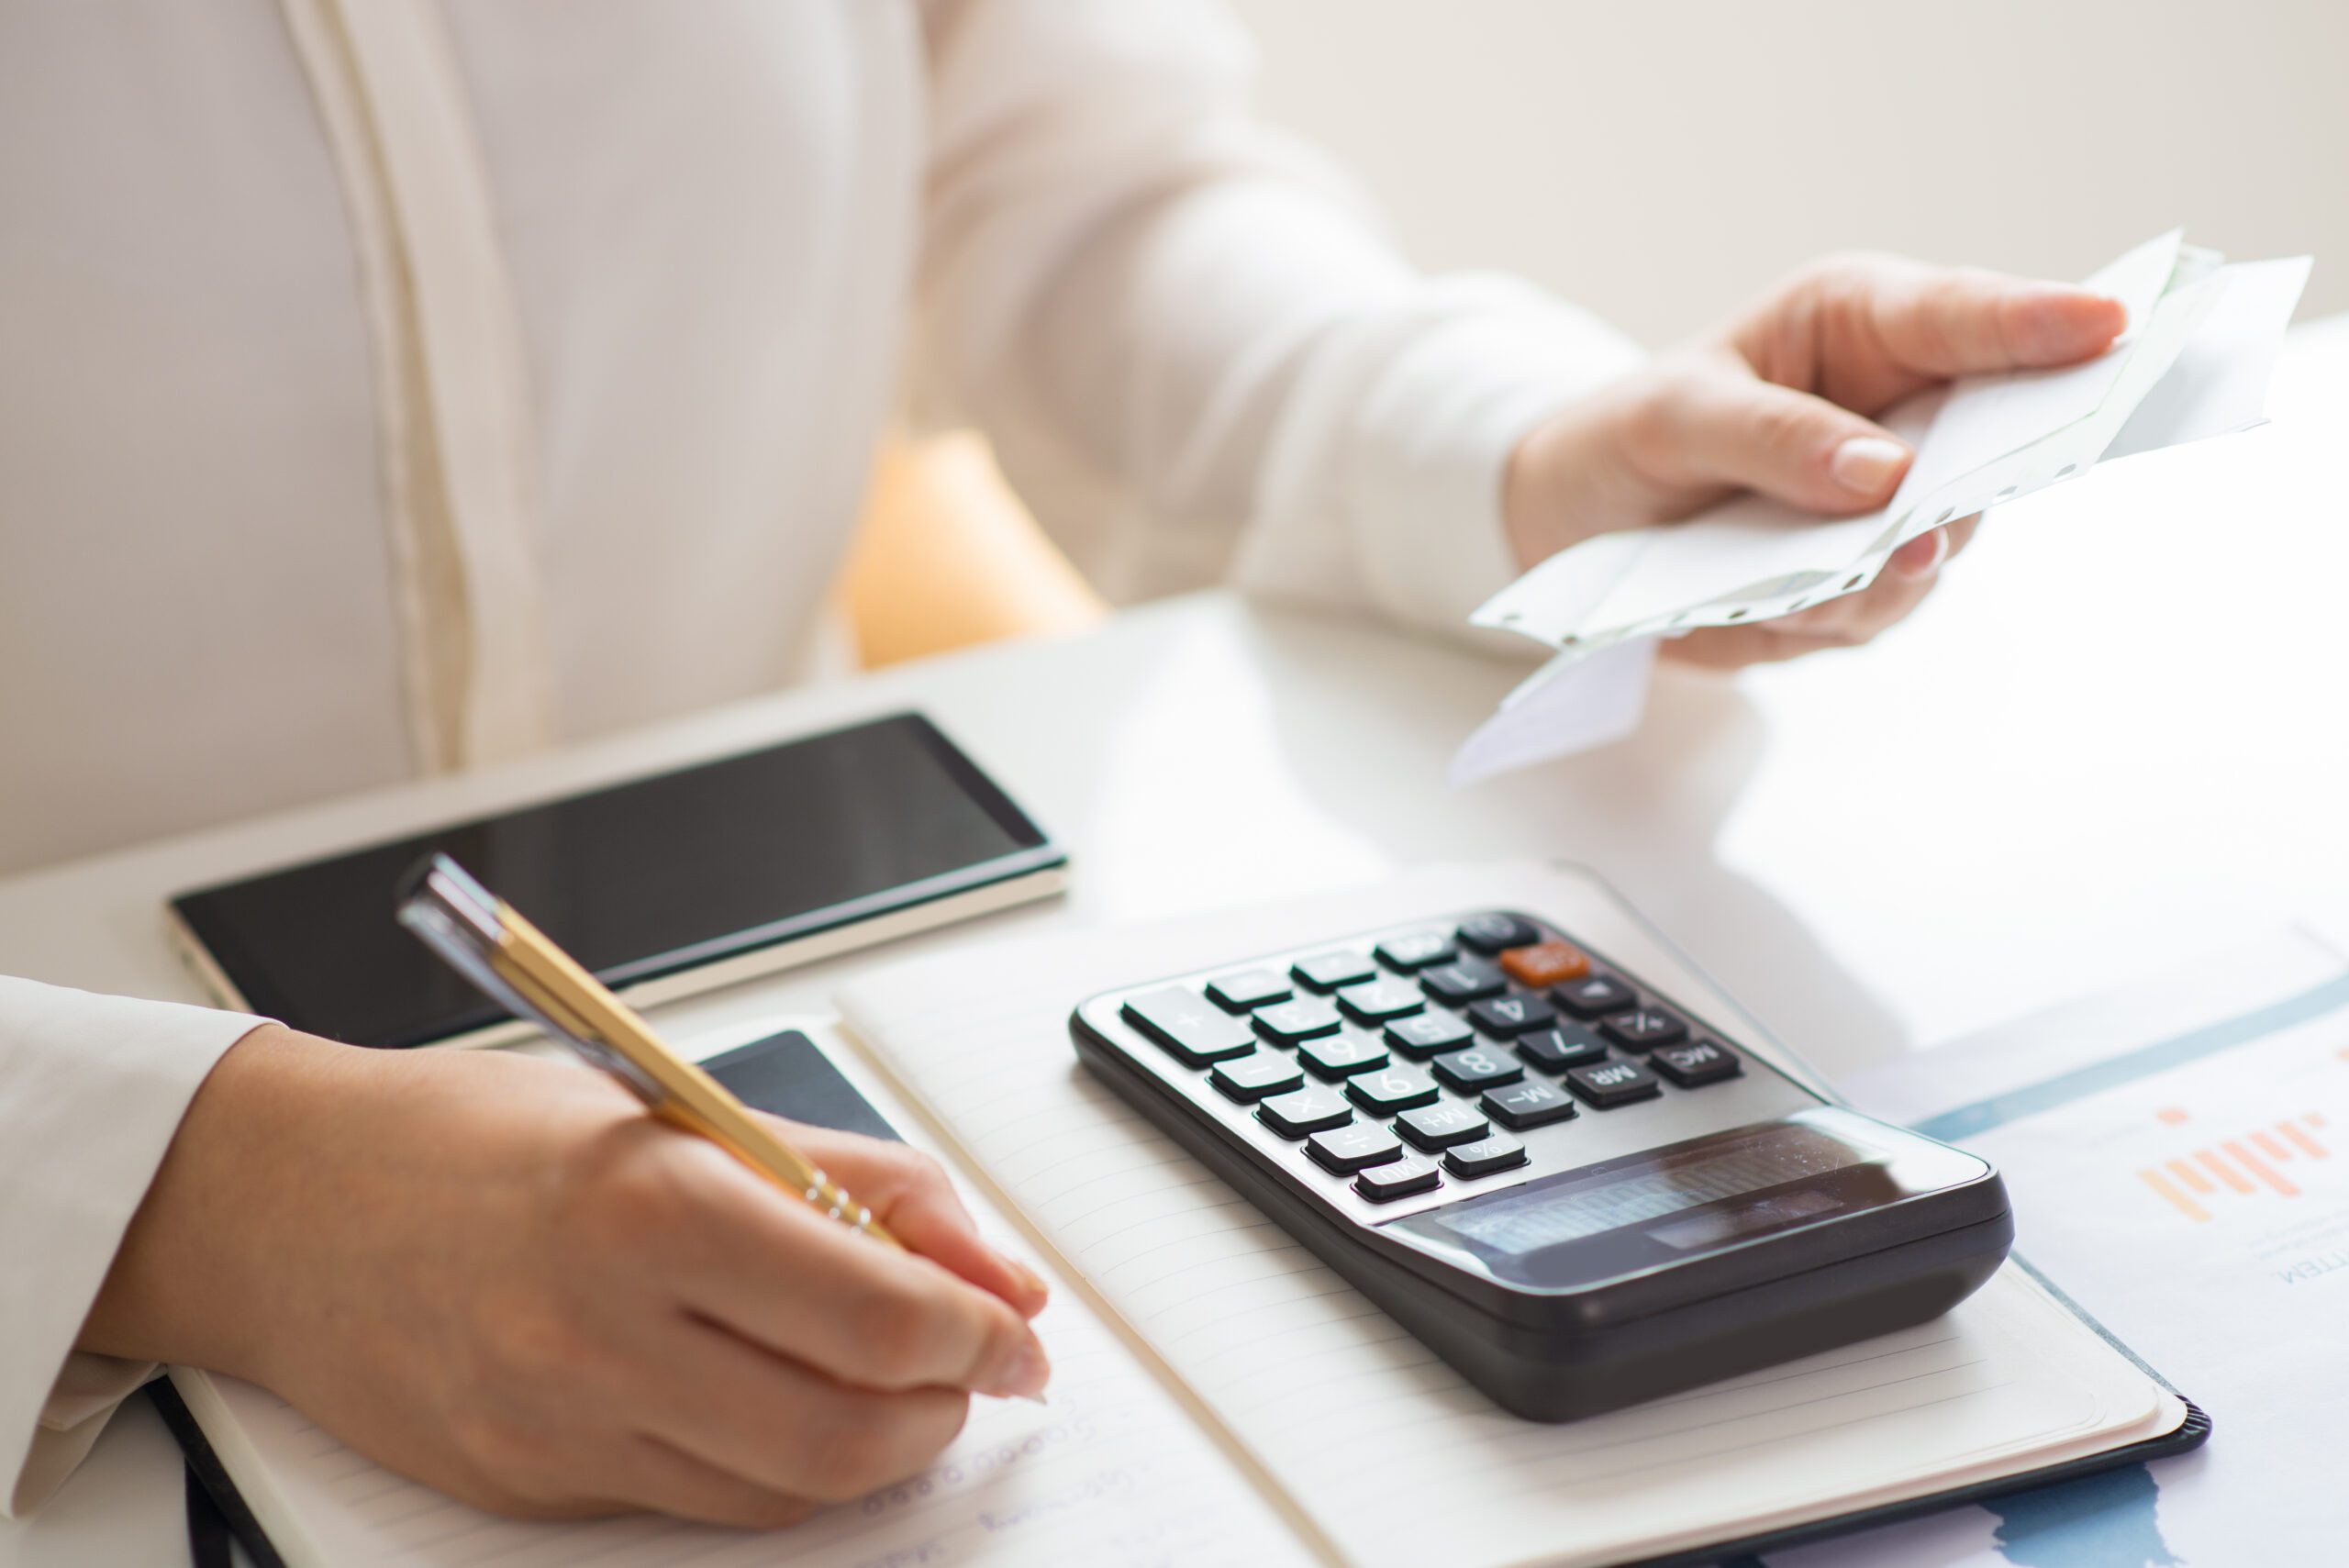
498, 1275
1778, 403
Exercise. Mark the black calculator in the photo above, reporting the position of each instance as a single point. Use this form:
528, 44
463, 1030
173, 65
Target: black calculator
1566, 1184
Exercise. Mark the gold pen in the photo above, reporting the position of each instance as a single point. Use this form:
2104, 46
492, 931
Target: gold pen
482, 937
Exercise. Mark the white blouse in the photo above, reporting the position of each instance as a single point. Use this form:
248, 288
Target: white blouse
390, 386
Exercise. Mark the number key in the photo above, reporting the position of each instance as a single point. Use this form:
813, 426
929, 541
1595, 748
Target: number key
1248, 990
1328, 971
1554, 1050
1286, 1023
1491, 933
1338, 1055
1478, 1067
1405, 954
1506, 1016
1391, 1089
1464, 982
1380, 1000
1423, 1036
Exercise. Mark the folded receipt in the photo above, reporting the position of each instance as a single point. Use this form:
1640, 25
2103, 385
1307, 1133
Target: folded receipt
2194, 362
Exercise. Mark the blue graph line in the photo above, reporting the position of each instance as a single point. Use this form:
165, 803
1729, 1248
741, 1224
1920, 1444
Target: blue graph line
1966, 1121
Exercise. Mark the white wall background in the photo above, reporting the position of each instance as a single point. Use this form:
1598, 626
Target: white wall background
1661, 162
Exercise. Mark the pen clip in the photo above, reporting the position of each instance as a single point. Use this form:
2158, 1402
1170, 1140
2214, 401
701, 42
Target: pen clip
457, 917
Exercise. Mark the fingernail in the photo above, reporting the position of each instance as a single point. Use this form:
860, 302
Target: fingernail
1922, 557
1867, 465
1030, 1281
1025, 1375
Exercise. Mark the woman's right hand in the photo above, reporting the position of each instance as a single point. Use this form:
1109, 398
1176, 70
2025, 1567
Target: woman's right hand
496, 1274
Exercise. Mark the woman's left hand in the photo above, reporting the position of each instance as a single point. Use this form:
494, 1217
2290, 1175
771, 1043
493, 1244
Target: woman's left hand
1779, 403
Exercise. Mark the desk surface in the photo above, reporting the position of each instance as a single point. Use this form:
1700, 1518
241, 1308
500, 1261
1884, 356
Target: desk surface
2041, 785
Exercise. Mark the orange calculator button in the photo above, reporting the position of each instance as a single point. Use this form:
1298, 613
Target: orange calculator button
1546, 963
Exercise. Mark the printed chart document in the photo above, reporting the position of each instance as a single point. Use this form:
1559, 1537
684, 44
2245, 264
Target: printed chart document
2178, 1155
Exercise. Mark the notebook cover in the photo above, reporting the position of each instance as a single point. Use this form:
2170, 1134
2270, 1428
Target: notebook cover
786, 1074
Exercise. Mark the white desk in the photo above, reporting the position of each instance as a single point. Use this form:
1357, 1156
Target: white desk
2037, 787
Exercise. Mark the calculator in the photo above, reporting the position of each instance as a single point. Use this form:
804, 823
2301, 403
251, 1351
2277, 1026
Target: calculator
1566, 1184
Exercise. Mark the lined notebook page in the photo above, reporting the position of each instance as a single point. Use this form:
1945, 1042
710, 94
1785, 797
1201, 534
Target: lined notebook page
1114, 1472
1394, 1457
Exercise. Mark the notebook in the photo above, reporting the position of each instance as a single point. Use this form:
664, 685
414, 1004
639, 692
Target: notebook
1221, 1396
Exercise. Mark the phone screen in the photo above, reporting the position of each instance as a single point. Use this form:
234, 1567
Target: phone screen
637, 881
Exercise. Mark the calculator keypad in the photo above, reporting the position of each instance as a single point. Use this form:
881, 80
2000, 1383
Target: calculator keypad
1444, 1059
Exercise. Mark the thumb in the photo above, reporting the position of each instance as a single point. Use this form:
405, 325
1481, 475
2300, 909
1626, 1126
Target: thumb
1739, 430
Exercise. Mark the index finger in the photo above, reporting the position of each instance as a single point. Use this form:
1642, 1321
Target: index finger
766, 1264
1940, 322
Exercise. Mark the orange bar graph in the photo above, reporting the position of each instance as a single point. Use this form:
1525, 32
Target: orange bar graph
2260, 1168
2243, 1165
2223, 1170
2184, 1205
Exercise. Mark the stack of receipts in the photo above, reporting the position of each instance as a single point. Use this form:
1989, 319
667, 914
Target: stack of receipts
2195, 361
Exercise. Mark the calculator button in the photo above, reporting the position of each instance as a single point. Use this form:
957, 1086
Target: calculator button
1398, 1178
1546, 963
1180, 1020
1554, 1050
1311, 1109
1286, 1023
1611, 1084
1346, 1150
1485, 1156
1391, 1089
1250, 1078
1433, 1126
1462, 981
1505, 1018
1478, 1067
1423, 1036
1342, 1055
1248, 990
1532, 1104
1416, 952
1380, 1000
1644, 1028
1328, 971
1700, 1062
1491, 933
1597, 994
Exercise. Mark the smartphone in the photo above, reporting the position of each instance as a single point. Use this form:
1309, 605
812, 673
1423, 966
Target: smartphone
664, 886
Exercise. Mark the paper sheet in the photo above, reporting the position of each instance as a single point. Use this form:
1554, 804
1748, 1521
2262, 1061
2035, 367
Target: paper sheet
2195, 361
1112, 1474
1338, 1402
2174, 1153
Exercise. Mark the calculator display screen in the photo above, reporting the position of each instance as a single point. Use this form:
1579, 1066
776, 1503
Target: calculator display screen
1780, 1185
1652, 1189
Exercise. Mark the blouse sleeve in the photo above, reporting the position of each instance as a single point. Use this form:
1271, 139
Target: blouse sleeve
92, 1088
1195, 349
